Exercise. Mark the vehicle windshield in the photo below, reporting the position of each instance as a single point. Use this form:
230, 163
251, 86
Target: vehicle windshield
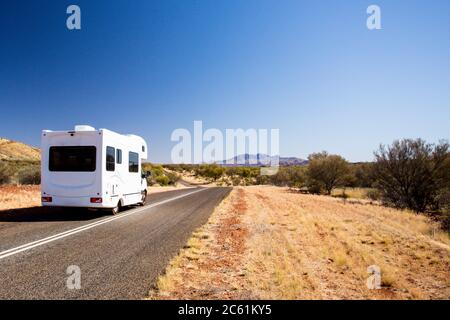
72, 159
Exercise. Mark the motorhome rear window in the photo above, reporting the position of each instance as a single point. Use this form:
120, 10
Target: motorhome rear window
72, 159
133, 162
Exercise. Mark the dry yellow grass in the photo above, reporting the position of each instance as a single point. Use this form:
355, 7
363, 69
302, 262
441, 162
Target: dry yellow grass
271, 243
356, 193
14, 197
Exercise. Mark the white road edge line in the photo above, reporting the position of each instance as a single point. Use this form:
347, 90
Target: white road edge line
67, 233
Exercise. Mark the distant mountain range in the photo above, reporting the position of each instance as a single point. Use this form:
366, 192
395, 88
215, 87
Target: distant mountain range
14, 150
259, 160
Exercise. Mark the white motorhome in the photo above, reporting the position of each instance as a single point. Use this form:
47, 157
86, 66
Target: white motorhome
92, 168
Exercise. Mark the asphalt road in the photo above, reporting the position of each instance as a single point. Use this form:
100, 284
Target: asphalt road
119, 257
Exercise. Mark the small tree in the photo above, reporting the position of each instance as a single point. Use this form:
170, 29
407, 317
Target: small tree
361, 175
4, 176
292, 177
326, 172
412, 173
297, 177
281, 178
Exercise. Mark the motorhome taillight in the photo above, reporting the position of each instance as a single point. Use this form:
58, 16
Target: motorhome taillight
46, 199
96, 200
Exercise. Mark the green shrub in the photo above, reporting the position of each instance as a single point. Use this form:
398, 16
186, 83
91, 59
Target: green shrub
262, 180
373, 194
159, 175
210, 171
326, 172
236, 180
173, 178
293, 177
314, 188
180, 167
247, 172
362, 175
162, 180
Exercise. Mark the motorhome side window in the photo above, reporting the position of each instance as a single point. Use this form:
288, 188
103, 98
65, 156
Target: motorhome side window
72, 159
119, 156
110, 158
133, 162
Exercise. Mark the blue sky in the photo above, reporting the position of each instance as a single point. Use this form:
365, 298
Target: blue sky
310, 68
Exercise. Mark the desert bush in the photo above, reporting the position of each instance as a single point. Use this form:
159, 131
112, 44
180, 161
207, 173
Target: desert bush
412, 173
159, 175
30, 175
443, 200
248, 172
4, 176
281, 178
373, 194
20, 172
210, 171
236, 180
293, 177
262, 180
443, 205
162, 180
173, 178
179, 167
362, 174
297, 177
446, 222
326, 172
314, 187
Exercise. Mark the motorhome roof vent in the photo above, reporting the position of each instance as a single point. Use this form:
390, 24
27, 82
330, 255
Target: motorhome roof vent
84, 128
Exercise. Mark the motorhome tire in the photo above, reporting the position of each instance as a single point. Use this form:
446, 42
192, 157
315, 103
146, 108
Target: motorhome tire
144, 198
116, 209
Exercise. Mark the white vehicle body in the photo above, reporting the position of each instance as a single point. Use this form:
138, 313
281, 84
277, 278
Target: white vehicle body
92, 168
